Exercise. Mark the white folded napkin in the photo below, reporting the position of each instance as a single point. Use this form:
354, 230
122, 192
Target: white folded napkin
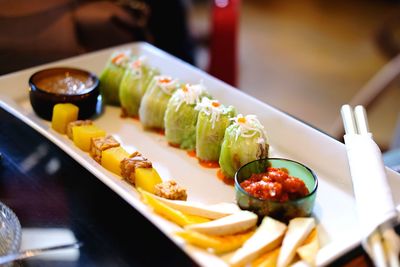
375, 205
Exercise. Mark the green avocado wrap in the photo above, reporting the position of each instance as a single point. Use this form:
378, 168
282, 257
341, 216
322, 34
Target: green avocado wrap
212, 122
181, 116
155, 100
111, 76
137, 78
244, 141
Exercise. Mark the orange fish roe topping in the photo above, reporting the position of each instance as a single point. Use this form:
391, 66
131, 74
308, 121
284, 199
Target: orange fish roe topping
165, 80
137, 63
215, 104
117, 58
242, 120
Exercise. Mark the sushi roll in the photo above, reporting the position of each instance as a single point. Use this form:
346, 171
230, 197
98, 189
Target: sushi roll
111, 76
244, 141
181, 116
155, 101
212, 122
136, 79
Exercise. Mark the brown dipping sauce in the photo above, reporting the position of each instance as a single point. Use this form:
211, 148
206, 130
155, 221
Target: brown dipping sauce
67, 83
51, 86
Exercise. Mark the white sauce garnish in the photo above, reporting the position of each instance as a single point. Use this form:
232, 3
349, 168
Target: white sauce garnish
211, 108
166, 83
247, 126
189, 94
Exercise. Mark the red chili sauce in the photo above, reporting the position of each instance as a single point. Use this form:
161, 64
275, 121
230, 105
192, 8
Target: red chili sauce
275, 184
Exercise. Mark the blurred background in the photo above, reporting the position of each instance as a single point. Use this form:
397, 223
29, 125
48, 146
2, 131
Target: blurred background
310, 57
305, 57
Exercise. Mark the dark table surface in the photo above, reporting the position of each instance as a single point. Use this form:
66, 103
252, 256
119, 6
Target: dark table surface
50, 192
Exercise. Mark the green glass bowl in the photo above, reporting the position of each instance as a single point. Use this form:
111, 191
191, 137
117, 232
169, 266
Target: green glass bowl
283, 211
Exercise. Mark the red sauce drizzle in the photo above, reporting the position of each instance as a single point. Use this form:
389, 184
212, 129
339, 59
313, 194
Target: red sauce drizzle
124, 114
191, 153
209, 163
160, 131
157, 130
225, 179
174, 145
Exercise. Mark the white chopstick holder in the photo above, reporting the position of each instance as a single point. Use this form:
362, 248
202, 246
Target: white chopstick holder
366, 161
375, 206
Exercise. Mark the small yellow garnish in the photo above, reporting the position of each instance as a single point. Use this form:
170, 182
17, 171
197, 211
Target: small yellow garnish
215, 104
165, 80
241, 120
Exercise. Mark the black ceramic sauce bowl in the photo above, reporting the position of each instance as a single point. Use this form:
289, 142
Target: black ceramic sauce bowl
63, 85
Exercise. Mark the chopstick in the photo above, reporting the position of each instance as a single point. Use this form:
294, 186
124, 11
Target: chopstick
384, 238
361, 120
348, 120
391, 244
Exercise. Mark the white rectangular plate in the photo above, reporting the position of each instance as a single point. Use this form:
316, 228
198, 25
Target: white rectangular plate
335, 206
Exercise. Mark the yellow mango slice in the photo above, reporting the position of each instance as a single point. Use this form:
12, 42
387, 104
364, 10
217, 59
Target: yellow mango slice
308, 251
82, 135
194, 219
111, 159
147, 178
269, 259
169, 213
62, 115
219, 244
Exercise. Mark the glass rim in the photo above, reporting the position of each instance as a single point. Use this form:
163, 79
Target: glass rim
314, 190
12, 218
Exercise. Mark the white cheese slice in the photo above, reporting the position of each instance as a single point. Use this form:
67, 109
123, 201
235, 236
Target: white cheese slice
298, 230
229, 225
267, 237
309, 251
